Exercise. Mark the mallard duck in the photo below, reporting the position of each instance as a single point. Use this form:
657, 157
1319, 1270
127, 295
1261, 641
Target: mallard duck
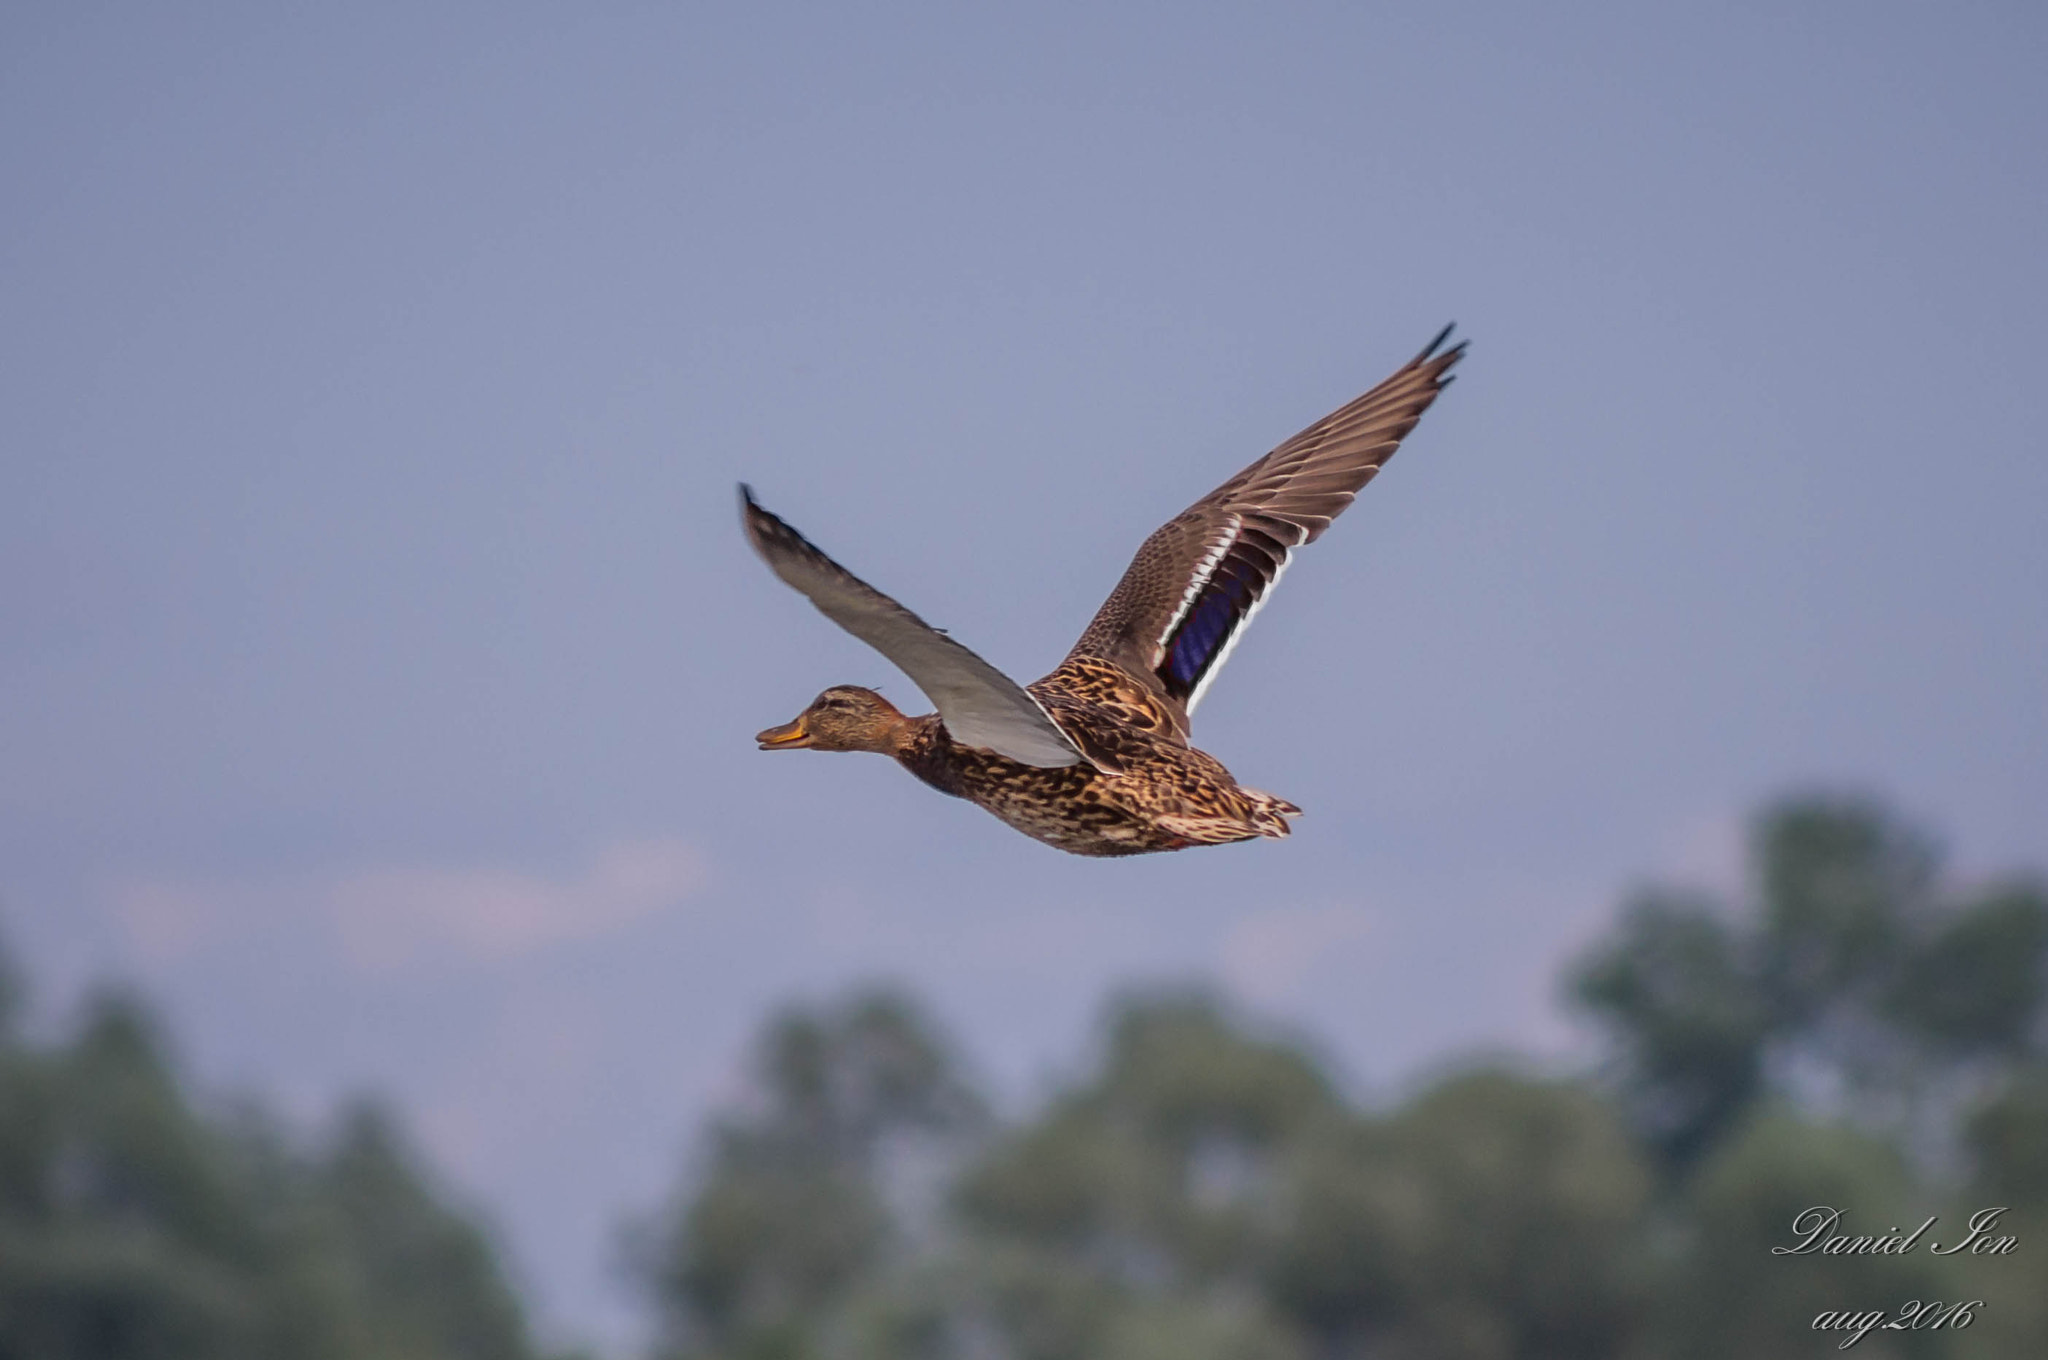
1094, 759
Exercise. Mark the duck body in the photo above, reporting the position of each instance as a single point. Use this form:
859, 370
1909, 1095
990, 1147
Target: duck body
1094, 759
1165, 795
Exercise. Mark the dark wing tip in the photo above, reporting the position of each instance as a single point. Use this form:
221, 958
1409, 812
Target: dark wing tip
764, 528
1439, 361
778, 542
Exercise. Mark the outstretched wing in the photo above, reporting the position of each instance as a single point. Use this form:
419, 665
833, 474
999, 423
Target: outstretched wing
980, 705
1194, 585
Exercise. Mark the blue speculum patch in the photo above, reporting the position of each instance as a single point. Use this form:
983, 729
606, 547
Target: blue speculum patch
1223, 602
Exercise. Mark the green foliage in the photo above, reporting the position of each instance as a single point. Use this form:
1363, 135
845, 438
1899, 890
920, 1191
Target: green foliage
791, 1218
770, 1242
839, 1083
1730, 1295
2008, 1140
124, 1231
1139, 1212
1675, 981
1852, 984
1841, 884
1857, 1035
1204, 1192
1161, 1164
424, 1281
1494, 1215
135, 1227
1974, 987
11, 991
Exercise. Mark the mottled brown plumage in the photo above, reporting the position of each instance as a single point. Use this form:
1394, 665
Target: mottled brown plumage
1094, 758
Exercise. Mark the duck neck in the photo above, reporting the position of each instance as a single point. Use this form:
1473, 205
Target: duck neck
895, 735
926, 750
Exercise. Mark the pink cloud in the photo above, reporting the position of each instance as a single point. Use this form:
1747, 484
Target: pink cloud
391, 917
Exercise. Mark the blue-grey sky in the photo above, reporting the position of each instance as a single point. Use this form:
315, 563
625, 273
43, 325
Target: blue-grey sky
381, 656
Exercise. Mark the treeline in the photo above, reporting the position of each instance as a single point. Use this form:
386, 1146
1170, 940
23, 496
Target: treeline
135, 1226
1858, 1034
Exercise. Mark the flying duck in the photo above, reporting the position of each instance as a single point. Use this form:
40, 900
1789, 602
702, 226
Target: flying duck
1094, 759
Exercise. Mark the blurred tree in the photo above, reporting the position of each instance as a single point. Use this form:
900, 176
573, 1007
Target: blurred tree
1203, 1192
1974, 988
1841, 884
1676, 987
423, 1280
133, 1226
1138, 1215
1494, 1216
1726, 1293
1158, 1169
1852, 985
123, 1234
11, 991
2008, 1143
1207, 1194
812, 1194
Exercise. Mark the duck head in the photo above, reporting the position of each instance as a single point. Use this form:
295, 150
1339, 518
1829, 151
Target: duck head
843, 718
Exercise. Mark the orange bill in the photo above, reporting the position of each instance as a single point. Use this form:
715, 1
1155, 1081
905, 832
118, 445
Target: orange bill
788, 737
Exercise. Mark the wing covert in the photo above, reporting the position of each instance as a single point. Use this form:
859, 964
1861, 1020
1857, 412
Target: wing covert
1187, 596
